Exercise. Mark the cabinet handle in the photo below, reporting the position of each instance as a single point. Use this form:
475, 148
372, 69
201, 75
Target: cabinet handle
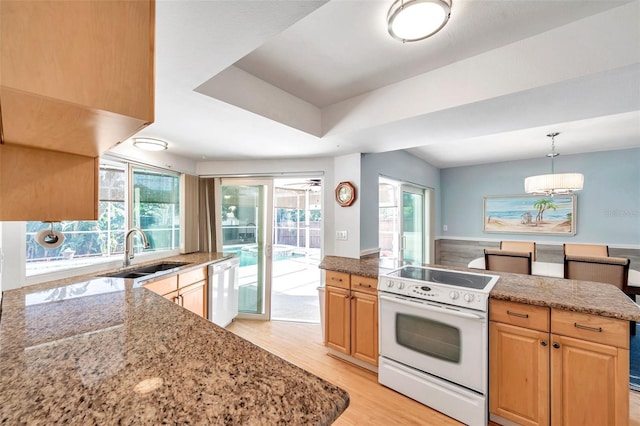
516, 314
347, 296
586, 327
336, 279
364, 285
556, 345
543, 342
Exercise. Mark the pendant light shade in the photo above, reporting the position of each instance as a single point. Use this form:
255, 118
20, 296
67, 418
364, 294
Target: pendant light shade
563, 183
554, 183
413, 20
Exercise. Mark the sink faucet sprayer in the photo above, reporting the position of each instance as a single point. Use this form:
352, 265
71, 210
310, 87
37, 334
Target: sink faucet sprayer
128, 248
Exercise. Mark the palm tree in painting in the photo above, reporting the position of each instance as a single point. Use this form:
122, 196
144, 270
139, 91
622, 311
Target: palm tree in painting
543, 205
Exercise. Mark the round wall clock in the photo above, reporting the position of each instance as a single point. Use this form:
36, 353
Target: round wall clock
345, 194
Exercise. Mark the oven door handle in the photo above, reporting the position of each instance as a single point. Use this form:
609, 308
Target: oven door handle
426, 307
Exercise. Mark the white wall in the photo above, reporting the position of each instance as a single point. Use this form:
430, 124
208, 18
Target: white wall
347, 168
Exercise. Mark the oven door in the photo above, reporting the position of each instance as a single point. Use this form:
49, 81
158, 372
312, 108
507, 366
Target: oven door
442, 340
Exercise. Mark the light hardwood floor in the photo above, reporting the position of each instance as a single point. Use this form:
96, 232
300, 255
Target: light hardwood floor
371, 403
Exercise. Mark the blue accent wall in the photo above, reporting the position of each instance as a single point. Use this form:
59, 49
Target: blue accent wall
608, 208
398, 165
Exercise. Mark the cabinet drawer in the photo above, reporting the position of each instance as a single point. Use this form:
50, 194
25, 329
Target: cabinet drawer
337, 279
366, 284
190, 277
163, 285
594, 328
519, 314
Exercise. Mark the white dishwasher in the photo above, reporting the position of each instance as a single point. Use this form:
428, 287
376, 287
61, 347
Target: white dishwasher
223, 291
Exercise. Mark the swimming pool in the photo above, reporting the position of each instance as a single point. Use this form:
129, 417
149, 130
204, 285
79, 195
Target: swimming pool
248, 254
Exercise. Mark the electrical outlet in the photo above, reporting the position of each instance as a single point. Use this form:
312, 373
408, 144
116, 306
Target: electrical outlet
341, 235
445, 228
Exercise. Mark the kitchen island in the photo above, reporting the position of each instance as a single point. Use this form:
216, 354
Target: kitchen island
104, 351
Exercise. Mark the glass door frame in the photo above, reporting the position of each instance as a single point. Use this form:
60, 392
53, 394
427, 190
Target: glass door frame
264, 238
412, 189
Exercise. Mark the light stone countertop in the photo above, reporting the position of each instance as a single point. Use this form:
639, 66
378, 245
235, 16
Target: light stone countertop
572, 295
105, 351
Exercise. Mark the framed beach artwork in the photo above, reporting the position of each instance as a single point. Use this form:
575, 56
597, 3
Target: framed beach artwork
530, 214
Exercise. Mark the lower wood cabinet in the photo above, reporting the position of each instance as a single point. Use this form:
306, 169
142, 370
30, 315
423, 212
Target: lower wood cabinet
351, 316
557, 367
187, 289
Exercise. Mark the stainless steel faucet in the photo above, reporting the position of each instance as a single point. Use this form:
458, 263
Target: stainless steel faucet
128, 247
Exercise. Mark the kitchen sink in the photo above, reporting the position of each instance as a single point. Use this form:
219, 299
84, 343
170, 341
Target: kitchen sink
147, 271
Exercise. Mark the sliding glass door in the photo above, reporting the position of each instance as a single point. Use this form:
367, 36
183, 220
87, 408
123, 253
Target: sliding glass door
246, 230
405, 224
413, 206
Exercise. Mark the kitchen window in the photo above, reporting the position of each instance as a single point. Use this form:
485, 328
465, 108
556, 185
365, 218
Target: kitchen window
154, 206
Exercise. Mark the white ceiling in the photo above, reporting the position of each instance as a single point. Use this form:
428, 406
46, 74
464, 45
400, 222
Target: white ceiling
273, 79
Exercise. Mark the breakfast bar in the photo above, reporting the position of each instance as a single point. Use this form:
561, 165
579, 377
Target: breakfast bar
104, 351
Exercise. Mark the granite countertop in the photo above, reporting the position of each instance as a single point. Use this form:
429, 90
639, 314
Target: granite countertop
572, 295
106, 351
366, 267
192, 260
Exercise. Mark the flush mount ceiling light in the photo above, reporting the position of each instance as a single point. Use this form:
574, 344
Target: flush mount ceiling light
561, 183
413, 20
149, 144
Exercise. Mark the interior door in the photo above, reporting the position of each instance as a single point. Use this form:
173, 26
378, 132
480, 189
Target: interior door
413, 225
246, 230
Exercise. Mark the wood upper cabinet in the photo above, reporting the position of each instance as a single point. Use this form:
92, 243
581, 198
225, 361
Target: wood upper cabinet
76, 76
351, 315
188, 289
557, 367
47, 186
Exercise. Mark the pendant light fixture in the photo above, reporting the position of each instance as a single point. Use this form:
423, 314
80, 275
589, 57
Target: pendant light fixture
413, 20
554, 183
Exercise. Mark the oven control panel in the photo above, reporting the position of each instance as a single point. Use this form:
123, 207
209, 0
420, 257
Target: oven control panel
437, 293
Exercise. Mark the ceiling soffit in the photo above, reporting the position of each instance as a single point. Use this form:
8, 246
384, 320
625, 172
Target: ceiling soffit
540, 61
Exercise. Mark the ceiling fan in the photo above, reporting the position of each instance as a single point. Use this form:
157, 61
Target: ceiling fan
304, 184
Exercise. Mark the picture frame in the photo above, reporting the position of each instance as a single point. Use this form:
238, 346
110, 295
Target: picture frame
530, 214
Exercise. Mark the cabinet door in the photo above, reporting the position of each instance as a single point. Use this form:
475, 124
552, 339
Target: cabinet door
519, 374
194, 298
163, 286
337, 319
364, 327
174, 296
589, 383
31, 189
